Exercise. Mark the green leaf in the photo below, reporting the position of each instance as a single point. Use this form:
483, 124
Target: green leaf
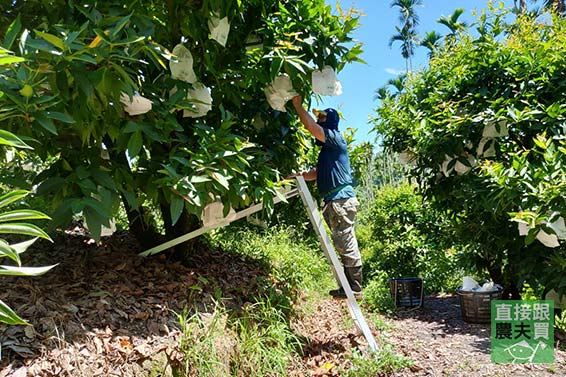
275, 68
9, 317
55, 41
128, 41
47, 124
60, 116
24, 228
82, 56
24, 271
49, 185
120, 25
8, 138
12, 197
8, 251
103, 179
199, 179
100, 33
540, 142
130, 198
93, 222
176, 208
221, 179
281, 196
22, 214
11, 59
12, 33
297, 64
124, 75
23, 246
82, 173
135, 143
132, 127
100, 209
71, 37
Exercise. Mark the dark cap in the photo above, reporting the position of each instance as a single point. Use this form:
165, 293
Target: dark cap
332, 119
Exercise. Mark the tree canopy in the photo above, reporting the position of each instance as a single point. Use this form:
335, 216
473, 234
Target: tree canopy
159, 106
485, 127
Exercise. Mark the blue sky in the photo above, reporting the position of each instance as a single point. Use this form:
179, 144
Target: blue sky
359, 81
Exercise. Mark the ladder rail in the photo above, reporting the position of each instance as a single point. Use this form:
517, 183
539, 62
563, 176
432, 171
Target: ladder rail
332, 257
195, 233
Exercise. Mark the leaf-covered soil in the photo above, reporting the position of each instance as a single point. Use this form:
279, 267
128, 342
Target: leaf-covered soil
104, 311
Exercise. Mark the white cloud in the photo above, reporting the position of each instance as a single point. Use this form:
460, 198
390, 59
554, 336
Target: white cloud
393, 71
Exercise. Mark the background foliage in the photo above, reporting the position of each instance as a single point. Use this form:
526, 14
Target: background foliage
485, 124
409, 238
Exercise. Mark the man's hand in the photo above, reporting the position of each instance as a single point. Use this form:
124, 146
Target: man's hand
307, 175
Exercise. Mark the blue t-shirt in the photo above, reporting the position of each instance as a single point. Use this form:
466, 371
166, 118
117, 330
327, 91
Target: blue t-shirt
334, 176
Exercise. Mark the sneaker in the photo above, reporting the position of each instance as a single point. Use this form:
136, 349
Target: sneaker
340, 293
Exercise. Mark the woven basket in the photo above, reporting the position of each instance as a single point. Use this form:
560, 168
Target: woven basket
476, 306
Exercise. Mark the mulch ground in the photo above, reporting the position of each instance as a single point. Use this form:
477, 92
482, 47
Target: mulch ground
104, 311
442, 344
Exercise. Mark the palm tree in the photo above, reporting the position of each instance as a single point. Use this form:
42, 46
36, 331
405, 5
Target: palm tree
452, 23
406, 34
381, 93
431, 41
522, 6
558, 6
407, 13
408, 39
398, 83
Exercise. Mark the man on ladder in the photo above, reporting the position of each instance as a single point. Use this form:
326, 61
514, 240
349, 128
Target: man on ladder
334, 180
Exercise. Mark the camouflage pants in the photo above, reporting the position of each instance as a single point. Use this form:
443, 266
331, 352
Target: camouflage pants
339, 215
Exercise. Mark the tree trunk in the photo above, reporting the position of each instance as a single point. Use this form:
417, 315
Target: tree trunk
186, 224
506, 277
143, 231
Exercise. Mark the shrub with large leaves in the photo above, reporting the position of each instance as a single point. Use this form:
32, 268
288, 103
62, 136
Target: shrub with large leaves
135, 103
486, 124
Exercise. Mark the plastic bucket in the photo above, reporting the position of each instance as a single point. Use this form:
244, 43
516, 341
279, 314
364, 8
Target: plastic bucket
407, 292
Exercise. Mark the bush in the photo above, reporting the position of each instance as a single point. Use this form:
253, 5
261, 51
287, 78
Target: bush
409, 238
12, 223
377, 296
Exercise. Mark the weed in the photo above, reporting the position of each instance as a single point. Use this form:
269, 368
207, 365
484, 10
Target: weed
207, 343
384, 362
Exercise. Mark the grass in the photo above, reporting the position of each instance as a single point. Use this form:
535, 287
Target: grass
382, 363
295, 260
266, 341
206, 342
257, 340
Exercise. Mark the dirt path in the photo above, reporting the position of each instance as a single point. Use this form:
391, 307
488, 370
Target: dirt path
435, 338
98, 315
442, 344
